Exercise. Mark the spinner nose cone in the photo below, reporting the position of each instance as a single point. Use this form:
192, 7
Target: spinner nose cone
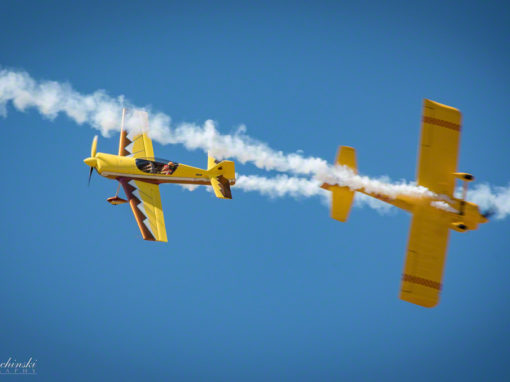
92, 162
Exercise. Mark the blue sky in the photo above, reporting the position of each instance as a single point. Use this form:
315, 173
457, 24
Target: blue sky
254, 288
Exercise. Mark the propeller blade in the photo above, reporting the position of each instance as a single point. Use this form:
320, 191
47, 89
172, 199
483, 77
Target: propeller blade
90, 174
93, 149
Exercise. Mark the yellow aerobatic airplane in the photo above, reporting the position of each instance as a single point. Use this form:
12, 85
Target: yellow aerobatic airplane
433, 216
140, 174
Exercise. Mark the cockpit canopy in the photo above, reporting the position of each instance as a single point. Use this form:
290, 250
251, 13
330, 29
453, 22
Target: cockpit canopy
156, 166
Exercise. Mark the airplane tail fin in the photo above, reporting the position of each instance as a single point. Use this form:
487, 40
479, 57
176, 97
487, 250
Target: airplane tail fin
342, 197
222, 175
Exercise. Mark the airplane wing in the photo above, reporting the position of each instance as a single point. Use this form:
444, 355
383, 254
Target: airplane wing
439, 147
145, 201
136, 143
426, 255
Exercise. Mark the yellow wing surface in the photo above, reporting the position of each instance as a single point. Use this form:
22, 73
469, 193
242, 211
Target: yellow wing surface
428, 238
145, 201
342, 197
426, 256
136, 143
144, 198
439, 147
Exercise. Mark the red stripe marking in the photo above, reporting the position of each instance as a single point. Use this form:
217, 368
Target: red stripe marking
421, 281
440, 122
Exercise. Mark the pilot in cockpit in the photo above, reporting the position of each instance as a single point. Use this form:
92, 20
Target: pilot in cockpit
168, 168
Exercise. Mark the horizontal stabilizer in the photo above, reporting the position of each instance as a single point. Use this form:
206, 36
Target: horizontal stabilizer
222, 175
342, 197
347, 157
221, 187
341, 202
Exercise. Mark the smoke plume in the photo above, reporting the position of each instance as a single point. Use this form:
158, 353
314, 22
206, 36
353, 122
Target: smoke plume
102, 112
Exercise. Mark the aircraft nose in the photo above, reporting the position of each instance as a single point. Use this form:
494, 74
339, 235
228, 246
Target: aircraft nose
92, 162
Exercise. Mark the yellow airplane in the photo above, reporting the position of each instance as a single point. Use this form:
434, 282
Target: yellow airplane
433, 216
140, 174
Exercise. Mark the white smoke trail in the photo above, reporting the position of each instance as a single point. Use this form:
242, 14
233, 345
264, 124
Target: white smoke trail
102, 112
285, 186
490, 198
362, 200
281, 186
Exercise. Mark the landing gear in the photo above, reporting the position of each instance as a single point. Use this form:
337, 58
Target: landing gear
115, 200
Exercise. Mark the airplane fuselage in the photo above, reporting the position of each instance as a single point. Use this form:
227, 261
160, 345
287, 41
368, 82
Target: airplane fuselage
463, 215
151, 171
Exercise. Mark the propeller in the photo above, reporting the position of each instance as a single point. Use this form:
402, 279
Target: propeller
90, 175
93, 151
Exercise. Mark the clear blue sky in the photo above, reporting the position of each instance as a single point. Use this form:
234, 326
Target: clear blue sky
251, 289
